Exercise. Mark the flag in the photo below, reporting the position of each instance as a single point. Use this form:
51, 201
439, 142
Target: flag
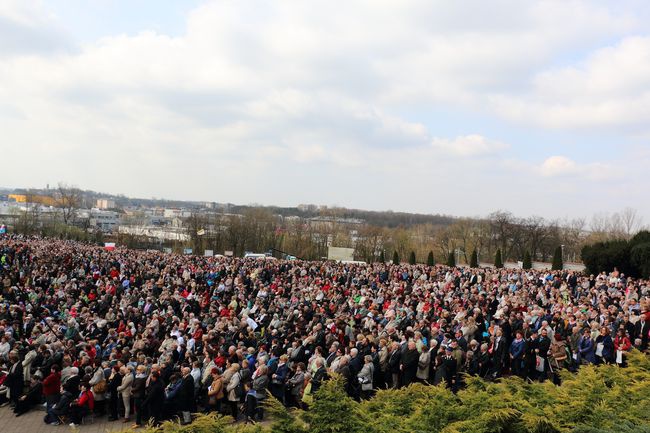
109, 246
200, 232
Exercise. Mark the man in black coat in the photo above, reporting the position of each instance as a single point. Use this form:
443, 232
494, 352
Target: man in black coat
15, 380
350, 380
641, 330
449, 365
409, 364
155, 398
31, 398
186, 395
114, 381
319, 376
532, 346
356, 362
499, 352
394, 366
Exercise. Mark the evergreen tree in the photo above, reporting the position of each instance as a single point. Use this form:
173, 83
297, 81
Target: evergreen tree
412, 258
498, 261
557, 260
395, 258
451, 259
527, 263
382, 257
334, 412
473, 262
430, 261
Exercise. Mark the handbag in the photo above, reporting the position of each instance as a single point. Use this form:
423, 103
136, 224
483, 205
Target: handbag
539, 364
100, 387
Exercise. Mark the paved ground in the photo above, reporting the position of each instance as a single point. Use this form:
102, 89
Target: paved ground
32, 422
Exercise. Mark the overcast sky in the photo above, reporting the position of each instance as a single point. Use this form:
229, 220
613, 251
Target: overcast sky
455, 107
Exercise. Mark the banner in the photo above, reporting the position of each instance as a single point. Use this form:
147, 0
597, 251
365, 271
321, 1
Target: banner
110, 246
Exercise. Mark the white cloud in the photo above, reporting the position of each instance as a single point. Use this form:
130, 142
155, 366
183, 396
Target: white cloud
558, 165
279, 91
609, 89
561, 166
469, 146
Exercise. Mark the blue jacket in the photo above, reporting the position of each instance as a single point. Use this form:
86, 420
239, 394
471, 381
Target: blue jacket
517, 348
282, 373
608, 347
586, 349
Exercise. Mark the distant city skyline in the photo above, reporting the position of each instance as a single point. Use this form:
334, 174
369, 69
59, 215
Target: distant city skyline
463, 108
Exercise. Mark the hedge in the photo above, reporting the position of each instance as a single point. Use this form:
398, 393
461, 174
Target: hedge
603, 399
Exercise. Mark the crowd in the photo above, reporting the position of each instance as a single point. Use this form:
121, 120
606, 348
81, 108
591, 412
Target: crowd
147, 336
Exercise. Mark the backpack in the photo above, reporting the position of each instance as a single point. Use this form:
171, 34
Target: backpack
239, 389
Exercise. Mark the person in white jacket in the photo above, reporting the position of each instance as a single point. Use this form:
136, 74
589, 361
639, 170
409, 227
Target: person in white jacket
27, 363
125, 390
233, 399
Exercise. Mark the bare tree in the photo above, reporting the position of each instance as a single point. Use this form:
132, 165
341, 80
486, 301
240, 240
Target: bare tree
631, 221
68, 200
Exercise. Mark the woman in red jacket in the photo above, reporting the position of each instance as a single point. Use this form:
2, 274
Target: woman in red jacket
52, 387
622, 344
82, 406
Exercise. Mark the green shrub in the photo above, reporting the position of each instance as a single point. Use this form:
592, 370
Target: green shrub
640, 257
473, 262
498, 260
558, 262
430, 260
451, 259
603, 399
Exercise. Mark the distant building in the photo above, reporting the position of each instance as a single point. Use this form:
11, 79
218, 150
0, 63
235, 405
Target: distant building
104, 220
104, 203
177, 213
45, 200
160, 233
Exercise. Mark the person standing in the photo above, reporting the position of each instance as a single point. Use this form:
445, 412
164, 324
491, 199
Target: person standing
586, 348
231, 388
52, 387
517, 353
155, 398
409, 364
186, 395
215, 391
604, 347
295, 386
114, 382
15, 380
125, 390
394, 365
366, 377
138, 393
424, 365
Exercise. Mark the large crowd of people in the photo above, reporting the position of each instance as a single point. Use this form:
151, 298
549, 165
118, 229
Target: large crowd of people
144, 336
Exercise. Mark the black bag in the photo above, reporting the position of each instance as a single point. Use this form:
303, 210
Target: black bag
239, 389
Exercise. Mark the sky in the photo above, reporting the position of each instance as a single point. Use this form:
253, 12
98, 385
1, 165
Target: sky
460, 108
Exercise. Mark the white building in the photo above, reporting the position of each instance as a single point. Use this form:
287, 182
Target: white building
104, 203
104, 220
161, 233
177, 213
